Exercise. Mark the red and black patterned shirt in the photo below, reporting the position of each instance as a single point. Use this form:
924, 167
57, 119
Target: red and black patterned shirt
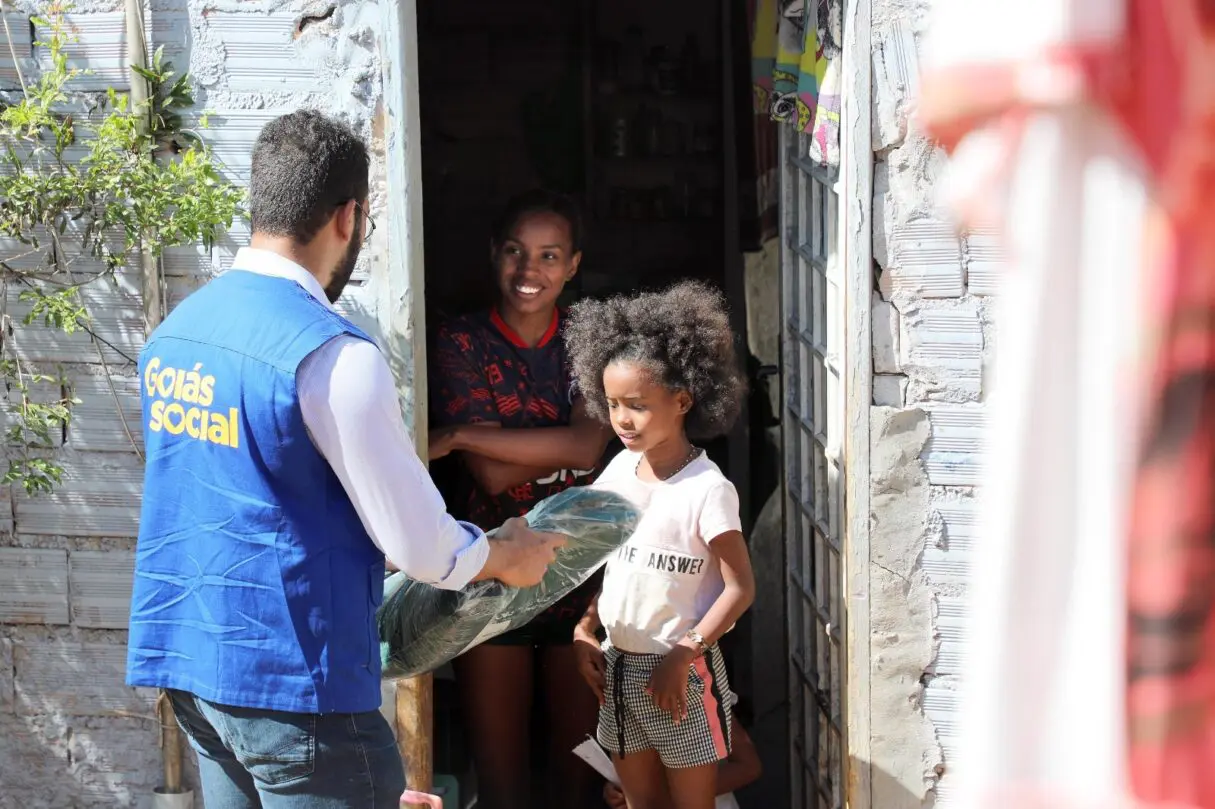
482, 372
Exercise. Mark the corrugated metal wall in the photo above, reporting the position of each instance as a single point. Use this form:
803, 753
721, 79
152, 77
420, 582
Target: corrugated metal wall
71, 735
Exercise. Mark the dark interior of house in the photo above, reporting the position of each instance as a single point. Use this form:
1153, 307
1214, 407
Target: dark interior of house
618, 104
640, 111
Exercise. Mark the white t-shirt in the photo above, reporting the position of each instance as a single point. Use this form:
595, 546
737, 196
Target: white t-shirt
664, 579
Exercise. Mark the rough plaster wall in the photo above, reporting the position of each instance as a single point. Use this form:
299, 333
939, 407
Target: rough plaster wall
71, 734
902, 740
932, 341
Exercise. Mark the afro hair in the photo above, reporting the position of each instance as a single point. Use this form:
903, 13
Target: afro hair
681, 335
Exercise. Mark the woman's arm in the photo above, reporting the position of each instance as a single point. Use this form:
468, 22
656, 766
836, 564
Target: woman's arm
461, 397
500, 458
578, 446
495, 477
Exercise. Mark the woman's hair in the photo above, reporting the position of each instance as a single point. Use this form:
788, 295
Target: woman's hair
539, 200
682, 336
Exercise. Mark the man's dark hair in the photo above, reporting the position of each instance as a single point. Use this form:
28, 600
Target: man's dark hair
304, 166
539, 200
682, 336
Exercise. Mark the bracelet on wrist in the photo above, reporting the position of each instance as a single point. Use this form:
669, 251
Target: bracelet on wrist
698, 640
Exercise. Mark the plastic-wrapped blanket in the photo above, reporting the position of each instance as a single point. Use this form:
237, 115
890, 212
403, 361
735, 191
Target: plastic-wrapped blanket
422, 627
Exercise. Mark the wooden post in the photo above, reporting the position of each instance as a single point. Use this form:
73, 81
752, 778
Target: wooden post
415, 726
153, 304
170, 742
153, 313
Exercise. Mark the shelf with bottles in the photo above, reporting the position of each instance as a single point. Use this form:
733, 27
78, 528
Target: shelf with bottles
687, 200
632, 69
648, 134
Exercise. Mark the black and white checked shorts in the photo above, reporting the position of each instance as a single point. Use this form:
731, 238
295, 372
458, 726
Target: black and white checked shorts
630, 722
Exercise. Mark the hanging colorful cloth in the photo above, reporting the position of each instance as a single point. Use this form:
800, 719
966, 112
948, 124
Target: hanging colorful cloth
787, 59
825, 137
796, 80
759, 171
763, 52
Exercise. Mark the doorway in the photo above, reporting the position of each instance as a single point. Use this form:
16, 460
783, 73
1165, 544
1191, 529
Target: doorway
626, 105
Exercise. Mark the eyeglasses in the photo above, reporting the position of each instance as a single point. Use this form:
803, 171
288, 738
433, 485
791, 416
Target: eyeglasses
370, 222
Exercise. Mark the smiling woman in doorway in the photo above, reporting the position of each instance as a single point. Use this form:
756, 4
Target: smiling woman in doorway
504, 405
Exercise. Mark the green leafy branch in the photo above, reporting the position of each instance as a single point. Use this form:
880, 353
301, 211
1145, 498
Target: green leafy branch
81, 195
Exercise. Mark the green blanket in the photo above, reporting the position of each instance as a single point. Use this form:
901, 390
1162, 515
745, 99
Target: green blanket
422, 627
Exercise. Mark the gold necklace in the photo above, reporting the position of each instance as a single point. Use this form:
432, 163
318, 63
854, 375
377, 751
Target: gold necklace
695, 452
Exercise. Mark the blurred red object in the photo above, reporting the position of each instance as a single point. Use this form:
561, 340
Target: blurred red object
1153, 72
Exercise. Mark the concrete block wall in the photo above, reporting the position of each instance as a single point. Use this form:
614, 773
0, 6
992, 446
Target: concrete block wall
932, 343
72, 736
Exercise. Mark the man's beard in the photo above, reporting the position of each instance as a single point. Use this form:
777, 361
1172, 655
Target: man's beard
341, 275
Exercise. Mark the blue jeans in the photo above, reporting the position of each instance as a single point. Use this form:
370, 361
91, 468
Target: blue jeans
255, 759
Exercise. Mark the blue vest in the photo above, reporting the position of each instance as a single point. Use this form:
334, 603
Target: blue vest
256, 584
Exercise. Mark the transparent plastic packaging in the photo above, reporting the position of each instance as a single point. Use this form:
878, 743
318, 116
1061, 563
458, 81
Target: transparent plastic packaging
422, 627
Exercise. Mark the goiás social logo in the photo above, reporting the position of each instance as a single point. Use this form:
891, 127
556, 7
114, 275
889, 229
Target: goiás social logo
183, 402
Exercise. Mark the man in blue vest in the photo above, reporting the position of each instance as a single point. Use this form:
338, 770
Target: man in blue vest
279, 475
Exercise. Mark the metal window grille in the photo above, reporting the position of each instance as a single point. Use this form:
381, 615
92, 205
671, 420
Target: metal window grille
813, 295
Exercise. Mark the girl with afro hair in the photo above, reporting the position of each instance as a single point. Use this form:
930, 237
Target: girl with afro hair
660, 367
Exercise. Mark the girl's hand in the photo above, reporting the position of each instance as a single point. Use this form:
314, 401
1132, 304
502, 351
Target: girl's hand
613, 796
590, 660
669, 683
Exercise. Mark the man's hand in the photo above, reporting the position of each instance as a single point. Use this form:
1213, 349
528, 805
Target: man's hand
519, 556
590, 660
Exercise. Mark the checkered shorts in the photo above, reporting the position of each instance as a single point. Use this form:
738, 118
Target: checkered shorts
630, 722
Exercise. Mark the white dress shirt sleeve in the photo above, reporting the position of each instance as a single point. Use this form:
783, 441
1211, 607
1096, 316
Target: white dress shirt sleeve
350, 407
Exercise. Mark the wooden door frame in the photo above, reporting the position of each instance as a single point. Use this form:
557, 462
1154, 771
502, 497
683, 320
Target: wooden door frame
856, 243
401, 313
